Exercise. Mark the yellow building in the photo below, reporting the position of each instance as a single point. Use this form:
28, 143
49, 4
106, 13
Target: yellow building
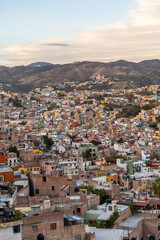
110, 179
29, 168
145, 186
97, 173
37, 151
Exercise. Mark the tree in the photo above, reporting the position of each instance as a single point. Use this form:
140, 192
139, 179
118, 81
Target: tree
48, 142
16, 102
72, 137
147, 107
156, 187
23, 123
106, 223
158, 119
153, 125
88, 154
120, 140
156, 155
129, 111
103, 195
132, 207
94, 142
13, 149
101, 192
52, 106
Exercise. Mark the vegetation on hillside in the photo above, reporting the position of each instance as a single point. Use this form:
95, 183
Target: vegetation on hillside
103, 195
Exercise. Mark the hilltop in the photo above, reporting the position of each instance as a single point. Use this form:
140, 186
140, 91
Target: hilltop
117, 74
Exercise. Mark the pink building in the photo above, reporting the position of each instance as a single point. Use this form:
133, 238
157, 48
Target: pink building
48, 166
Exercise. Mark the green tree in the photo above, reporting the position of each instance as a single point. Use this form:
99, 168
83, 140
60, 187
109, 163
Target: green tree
156, 187
94, 142
52, 106
132, 207
103, 195
158, 118
88, 154
129, 111
89, 188
23, 123
48, 142
153, 125
147, 107
106, 223
72, 137
16, 102
120, 140
13, 149
156, 155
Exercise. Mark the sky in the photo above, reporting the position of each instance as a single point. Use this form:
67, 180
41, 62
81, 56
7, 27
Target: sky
66, 31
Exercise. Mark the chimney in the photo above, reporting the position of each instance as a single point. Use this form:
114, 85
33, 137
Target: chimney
83, 195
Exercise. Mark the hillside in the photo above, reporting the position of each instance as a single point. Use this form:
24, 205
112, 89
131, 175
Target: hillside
119, 74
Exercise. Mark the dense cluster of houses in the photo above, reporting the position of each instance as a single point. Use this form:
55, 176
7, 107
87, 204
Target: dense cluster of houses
54, 145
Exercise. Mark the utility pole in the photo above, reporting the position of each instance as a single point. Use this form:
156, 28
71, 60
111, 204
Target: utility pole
128, 234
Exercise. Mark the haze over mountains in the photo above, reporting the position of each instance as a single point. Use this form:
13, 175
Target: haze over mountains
120, 74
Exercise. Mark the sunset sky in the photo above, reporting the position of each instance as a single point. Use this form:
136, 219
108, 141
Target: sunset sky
65, 31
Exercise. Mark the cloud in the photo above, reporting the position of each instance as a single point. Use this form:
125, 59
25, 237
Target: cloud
56, 44
146, 12
134, 40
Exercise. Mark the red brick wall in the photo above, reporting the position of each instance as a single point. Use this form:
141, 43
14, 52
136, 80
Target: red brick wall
45, 187
45, 225
8, 176
3, 157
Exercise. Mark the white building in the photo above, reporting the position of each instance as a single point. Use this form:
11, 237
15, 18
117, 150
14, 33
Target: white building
105, 234
11, 230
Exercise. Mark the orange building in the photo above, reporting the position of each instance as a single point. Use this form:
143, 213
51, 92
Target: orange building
6, 173
112, 178
3, 157
99, 77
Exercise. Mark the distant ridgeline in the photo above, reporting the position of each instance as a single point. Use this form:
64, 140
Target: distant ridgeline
80, 75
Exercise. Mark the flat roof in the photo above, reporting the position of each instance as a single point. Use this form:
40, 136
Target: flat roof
131, 222
105, 234
5, 169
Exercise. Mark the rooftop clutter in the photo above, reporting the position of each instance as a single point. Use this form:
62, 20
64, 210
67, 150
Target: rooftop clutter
63, 155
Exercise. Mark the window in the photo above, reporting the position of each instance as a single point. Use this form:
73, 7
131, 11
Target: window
1, 178
35, 228
109, 208
44, 178
52, 188
16, 229
78, 210
37, 191
53, 226
78, 237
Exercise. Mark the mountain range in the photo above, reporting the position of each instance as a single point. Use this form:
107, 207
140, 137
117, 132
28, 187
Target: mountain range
119, 74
